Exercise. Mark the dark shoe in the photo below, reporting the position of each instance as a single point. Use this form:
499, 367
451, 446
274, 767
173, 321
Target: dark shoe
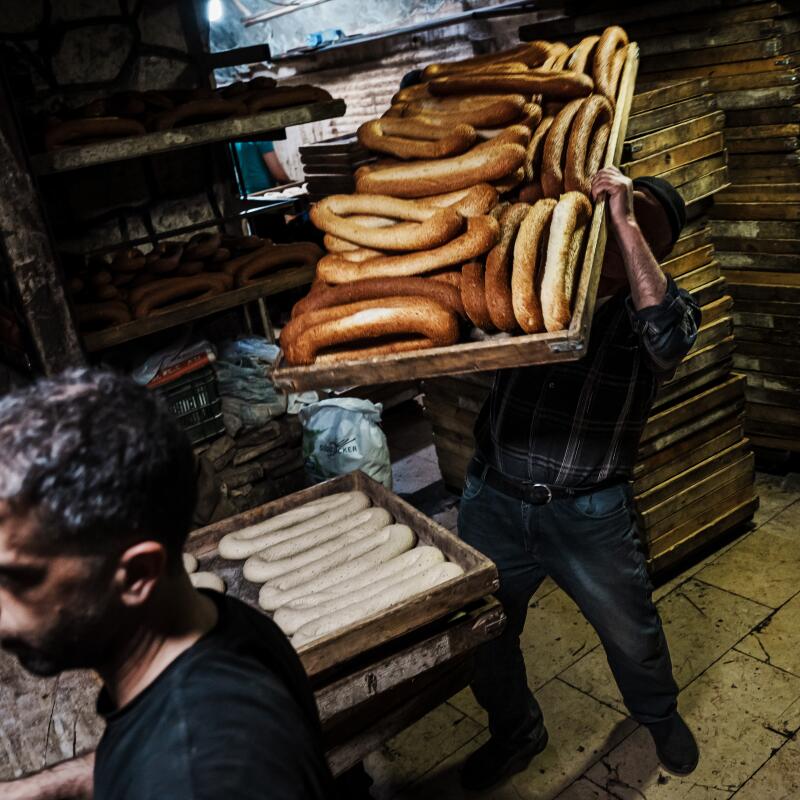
494, 761
675, 745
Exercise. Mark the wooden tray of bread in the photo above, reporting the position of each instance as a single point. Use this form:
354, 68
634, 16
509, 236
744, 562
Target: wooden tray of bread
373, 569
496, 258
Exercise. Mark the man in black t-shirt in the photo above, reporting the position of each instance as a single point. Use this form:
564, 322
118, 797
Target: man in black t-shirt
203, 696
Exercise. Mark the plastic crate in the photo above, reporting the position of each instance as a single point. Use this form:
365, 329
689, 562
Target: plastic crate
194, 399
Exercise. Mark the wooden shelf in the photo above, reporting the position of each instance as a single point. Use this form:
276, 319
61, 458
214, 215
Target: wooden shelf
278, 282
89, 155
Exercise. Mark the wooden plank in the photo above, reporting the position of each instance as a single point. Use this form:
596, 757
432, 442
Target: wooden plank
687, 262
776, 366
758, 98
757, 210
716, 309
666, 554
709, 292
703, 446
696, 170
775, 443
787, 338
777, 349
776, 307
770, 397
713, 461
754, 67
674, 157
667, 95
699, 378
748, 81
786, 144
773, 414
755, 230
653, 143
69, 158
667, 116
781, 383
790, 433
770, 321
275, 283
734, 35
705, 186
730, 391
698, 238
674, 512
762, 132
746, 51
755, 161
789, 283
479, 578
761, 174
758, 262
700, 206
780, 115
698, 277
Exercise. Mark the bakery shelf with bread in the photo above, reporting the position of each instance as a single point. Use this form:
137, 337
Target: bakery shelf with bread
345, 567
134, 124
134, 292
474, 222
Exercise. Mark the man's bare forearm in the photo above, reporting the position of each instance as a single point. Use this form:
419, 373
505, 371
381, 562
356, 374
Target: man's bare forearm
69, 780
647, 280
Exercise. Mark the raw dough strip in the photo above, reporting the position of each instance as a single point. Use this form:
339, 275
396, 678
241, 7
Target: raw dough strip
207, 580
608, 63
555, 151
480, 236
257, 570
352, 560
473, 295
596, 111
291, 523
430, 323
567, 227
529, 258
414, 587
375, 288
289, 619
434, 226
538, 81
425, 178
410, 138
498, 270
189, 562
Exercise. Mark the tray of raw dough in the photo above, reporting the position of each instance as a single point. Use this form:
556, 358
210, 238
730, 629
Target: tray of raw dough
343, 567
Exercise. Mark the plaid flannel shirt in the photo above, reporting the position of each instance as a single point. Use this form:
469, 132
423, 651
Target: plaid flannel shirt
578, 424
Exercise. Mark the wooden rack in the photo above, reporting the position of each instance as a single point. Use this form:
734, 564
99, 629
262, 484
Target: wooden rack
149, 144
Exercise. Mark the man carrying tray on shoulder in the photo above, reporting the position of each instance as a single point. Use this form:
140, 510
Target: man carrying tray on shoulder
547, 493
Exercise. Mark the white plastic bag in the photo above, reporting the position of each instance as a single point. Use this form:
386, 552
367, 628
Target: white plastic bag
342, 435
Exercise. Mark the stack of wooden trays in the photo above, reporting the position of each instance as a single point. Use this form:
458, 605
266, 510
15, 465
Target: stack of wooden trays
329, 165
747, 52
693, 480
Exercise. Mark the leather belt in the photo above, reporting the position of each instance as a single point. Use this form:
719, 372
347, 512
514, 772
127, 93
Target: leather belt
537, 494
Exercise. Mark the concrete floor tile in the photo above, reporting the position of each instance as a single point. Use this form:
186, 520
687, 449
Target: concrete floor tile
584, 789
556, 635
739, 710
764, 567
701, 623
581, 732
778, 779
414, 472
418, 749
775, 492
777, 640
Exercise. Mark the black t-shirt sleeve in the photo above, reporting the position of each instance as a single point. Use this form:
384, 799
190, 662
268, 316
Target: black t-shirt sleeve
247, 737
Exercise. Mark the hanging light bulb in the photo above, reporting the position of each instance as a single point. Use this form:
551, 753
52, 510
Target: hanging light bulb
214, 10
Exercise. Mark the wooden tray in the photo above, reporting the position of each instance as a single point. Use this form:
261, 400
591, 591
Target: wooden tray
479, 578
515, 351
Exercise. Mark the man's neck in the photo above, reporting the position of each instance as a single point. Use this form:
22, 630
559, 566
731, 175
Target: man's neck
177, 618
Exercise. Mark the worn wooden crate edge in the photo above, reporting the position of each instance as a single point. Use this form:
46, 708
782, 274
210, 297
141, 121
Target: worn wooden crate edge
514, 351
479, 578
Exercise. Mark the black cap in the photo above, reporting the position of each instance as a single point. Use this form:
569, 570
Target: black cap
667, 195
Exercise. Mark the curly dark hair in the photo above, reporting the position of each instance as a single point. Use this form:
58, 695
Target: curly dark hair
99, 460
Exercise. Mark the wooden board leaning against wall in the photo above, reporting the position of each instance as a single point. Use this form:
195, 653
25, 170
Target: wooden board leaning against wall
693, 480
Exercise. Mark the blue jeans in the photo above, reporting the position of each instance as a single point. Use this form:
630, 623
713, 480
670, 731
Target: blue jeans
588, 545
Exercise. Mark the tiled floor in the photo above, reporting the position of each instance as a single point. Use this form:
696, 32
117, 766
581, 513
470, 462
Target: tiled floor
733, 624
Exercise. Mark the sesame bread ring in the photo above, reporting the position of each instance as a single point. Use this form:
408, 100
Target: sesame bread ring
532, 54
196, 111
472, 202
567, 228
498, 269
95, 316
164, 257
595, 112
607, 66
279, 256
425, 178
434, 226
479, 238
533, 152
555, 150
410, 138
537, 81
530, 251
473, 295
581, 55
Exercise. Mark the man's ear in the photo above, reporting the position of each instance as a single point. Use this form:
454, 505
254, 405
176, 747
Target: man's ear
138, 571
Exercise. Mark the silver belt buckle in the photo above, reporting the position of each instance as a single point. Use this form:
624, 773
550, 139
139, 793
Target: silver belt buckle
549, 492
